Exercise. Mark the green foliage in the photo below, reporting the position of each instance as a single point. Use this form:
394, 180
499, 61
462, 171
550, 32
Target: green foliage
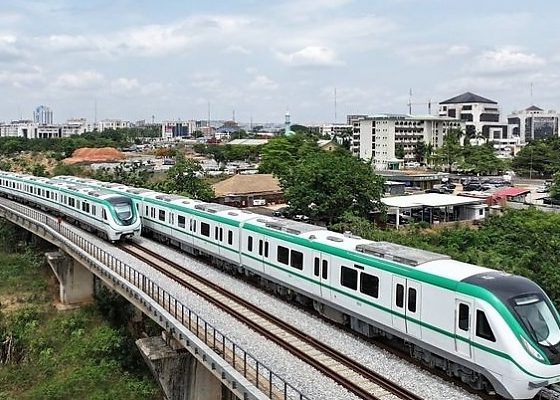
225, 153
481, 159
282, 152
399, 151
69, 355
555, 187
450, 152
323, 185
67, 169
63, 147
539, 158
300, 129
184, 178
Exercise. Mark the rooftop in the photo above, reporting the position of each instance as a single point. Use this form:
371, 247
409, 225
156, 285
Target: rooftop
246, 184
428, 200
468, 97
511, 191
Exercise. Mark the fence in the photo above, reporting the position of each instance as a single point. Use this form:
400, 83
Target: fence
269, 383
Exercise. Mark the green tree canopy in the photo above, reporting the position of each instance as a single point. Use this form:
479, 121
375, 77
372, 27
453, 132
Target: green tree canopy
185, 179
538, 158
450, 152
283, 152
324, 185
480, 159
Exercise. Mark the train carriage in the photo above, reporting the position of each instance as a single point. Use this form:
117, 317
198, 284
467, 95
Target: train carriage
489, 328
111, 216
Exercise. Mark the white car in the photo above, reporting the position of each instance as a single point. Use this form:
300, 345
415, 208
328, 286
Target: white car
543, 189
412, 164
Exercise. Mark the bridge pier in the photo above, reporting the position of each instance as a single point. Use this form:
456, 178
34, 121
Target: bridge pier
179, 373
75, 280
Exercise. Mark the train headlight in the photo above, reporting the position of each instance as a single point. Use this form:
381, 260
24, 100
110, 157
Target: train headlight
531, 350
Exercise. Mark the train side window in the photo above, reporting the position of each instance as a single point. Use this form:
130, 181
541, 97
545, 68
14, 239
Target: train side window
181, 221
296, 261
71, 202
78, 204
171, 219
221, 234
260, 247
463, 317
411, 299
47, 194
483, 328
316, 265
283, 255
400, 296
104, 214
266, 249
369, 284
230, 237
348, 277
147, 211
325, 272
93, 209
161, 215
216, 233
85, 207
205, 229
250, 243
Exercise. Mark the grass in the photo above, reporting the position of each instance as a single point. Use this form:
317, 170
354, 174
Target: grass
63, 355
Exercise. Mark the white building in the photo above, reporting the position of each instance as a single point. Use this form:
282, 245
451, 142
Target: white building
43, 115
378, 137
481, 116
74, 126
111, 124
533, 123
337, 130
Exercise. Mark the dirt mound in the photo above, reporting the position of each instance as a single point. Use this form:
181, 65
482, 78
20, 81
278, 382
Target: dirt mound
89, 155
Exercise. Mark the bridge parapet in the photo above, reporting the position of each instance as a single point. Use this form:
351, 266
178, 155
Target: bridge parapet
244, 375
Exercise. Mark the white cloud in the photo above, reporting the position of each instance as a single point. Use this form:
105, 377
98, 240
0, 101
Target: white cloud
81, 80
507, 59
262, 82
23, 77
69, 43
310, 56
432, 53
206, 81
120, 85
237, 49
10, 49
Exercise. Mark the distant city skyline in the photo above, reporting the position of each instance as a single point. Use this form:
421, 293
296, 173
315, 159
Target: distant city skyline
261, 57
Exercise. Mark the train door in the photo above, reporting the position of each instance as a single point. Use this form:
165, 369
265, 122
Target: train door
397, 303
463, 327
413, 308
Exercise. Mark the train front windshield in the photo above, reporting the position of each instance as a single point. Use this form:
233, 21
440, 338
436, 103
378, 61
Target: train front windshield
124, 210
538, 318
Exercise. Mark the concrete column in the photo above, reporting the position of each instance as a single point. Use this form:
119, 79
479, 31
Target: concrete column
76, 281
179, 374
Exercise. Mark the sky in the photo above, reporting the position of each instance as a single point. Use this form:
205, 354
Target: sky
173, 59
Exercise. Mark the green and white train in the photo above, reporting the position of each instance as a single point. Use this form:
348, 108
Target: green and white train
493, 330
110, 215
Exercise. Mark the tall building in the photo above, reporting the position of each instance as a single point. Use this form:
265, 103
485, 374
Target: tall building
534, 123
287, 124
43, 115
378, 137
481, 115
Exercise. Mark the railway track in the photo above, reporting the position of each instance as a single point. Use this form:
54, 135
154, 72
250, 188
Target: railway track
359, 380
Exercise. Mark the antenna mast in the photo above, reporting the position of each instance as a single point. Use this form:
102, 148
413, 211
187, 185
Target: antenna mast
410, 101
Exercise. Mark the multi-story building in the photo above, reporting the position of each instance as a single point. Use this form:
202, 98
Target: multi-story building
378, 137
481, 115
43, 115
173, 129
74, 126
533, 123
111, 124
335, 130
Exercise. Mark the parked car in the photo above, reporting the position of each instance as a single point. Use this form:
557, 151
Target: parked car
281, 212
542, 189
551, 201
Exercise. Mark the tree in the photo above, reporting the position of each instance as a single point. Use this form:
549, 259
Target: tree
481, 159
420, 151
324, 185
185, 179
450, 152
283, 152
538, 158
399, 151
302, 129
